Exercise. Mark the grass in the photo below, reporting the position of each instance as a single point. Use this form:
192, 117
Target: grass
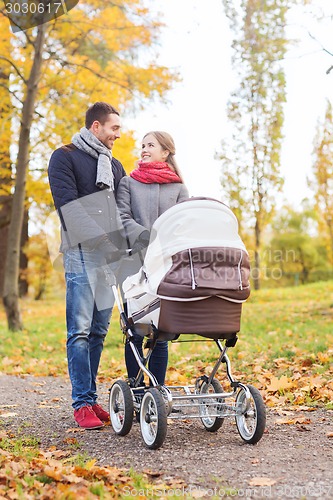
23, 447
290, 322
40, 349
293, 323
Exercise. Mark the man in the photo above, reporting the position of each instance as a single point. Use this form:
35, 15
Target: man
83, 178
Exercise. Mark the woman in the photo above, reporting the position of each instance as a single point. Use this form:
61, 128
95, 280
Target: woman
153, 187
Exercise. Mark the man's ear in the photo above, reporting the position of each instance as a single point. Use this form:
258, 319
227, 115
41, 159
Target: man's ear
95, 126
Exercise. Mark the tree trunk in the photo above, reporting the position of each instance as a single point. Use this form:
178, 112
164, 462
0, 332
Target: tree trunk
3, 249
256, 270
5, 212
4, 224
5, 168
12, 267
23, 281
330, 232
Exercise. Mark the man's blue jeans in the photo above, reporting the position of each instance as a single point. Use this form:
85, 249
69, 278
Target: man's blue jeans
89, 302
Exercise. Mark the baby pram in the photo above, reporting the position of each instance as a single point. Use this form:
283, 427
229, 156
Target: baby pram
194, 279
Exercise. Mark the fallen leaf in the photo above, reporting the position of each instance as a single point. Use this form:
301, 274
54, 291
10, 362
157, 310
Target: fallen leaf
70, 440
307, 362
60, 454
262, 481
292, 421
152, 473
198, 493
302, 428
90, 463
305, 408
277, 384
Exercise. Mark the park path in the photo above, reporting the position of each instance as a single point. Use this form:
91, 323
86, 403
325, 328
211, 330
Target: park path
292, 460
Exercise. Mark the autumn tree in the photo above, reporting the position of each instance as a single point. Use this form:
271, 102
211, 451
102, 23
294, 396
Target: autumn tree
251, 155
322, 182
55, 71
295, 249
5, 162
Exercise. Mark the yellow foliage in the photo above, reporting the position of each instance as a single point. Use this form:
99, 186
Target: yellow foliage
124, 149
96, 52
100, 51
6, 115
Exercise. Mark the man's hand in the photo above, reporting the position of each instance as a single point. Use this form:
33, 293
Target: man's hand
109, 251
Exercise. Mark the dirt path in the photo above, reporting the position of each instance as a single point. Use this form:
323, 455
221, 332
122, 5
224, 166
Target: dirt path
291, 461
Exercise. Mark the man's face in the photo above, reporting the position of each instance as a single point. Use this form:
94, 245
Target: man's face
108, 132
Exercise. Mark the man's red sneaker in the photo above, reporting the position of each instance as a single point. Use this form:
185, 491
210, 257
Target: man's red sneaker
100, 413
87, 419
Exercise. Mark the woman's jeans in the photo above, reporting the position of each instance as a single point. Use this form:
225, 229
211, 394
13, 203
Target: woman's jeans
157, 363
89, 302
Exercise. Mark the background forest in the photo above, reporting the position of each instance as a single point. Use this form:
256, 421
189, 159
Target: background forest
103, 50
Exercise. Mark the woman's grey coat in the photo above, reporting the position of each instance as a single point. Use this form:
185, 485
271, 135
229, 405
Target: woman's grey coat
141, 204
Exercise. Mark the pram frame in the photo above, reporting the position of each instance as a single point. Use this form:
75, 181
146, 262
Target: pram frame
162, 402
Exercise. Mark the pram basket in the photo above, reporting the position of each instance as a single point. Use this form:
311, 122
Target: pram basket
194, 280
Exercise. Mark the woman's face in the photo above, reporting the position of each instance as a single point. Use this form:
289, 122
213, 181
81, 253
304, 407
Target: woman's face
152, 150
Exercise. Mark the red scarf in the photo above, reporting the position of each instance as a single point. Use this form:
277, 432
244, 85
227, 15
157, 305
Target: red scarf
154, 172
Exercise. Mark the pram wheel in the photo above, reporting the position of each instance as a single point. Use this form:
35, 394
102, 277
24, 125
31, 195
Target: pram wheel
250, 421
167, 399
211, 423
153, 419
121, 408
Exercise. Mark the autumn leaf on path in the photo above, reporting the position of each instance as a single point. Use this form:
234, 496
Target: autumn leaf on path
293, 421
70, 441
278, 384
75, 430
302, 428
152, 473
305, 408
46, 404
275, 401
262, 481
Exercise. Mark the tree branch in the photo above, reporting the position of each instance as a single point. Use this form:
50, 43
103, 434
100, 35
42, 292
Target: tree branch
12, 92
322, 48
15, 67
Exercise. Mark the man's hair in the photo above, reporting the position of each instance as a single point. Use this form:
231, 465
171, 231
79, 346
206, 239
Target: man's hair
100, 112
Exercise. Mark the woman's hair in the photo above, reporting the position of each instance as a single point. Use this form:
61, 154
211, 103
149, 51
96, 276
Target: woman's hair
166, 142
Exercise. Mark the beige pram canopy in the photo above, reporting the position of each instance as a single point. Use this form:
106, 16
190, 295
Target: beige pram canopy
195, 275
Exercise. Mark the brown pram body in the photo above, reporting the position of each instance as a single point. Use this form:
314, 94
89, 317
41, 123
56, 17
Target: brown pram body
194, 280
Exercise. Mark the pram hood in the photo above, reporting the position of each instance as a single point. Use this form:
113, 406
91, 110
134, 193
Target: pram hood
195, 252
